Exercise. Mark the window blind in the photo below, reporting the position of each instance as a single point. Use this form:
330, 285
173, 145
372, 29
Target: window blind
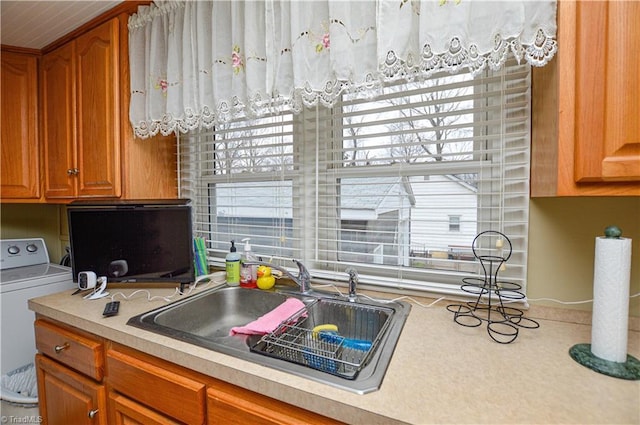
397, 185
399, 167
240, 178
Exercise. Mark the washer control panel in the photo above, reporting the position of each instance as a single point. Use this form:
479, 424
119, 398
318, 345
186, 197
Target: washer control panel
22, 252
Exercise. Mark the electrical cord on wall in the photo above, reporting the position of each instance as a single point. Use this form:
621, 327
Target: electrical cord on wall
573, 302
404, 297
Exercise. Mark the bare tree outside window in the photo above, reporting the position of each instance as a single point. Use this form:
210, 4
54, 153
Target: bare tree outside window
239, 148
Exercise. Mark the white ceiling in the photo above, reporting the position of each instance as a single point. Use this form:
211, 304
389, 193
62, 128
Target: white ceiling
36, 24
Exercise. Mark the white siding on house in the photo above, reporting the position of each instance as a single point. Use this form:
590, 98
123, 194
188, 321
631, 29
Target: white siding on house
438, 197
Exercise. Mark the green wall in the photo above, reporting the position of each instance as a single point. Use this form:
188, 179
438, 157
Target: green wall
33, 221
562, 234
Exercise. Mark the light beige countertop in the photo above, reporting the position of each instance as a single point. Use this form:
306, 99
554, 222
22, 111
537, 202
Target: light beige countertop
440, 372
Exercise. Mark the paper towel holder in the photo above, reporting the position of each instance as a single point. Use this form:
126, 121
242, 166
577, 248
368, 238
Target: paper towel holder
629, 370
581, 353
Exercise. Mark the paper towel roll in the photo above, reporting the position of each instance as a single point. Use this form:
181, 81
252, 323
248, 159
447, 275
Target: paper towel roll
611, 281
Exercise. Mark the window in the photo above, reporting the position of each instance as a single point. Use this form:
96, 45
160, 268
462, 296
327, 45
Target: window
397, 186
454, 223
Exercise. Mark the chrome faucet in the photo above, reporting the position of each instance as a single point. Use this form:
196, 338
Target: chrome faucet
303, 279
353, 283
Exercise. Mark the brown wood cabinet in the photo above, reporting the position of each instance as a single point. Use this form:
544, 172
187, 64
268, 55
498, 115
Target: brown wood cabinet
83, 378
159, 392
70, 370
89, 147
172, 391
586, 104
81, 123
66, 397
20, 166
65, 121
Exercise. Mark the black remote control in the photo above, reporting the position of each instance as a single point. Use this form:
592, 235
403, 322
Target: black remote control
111, 309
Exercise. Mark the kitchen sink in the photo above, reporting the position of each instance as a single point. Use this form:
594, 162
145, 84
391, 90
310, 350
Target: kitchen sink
353, 354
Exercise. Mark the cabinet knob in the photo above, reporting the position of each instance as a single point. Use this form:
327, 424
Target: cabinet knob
92, 413
72, 171
60, 348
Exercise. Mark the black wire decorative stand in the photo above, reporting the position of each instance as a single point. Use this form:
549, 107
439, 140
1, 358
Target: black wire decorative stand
492, 249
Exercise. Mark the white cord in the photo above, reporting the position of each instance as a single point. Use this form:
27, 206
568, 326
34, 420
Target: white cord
444, 298
213, 278
149, 297
560, 302
572, 302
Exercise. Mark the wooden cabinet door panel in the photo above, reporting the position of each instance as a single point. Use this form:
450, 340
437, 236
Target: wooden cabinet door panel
164, 388
124, 411
59, 122
20, 154
98, 111
586, 104
66, 397
607, 91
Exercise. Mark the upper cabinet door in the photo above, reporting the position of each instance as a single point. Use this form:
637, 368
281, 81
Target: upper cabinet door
57, 77
97, 94
20, 158
586, 104
607, 91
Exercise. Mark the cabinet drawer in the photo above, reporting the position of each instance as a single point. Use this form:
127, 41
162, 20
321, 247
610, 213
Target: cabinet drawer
157, 385
77, 351
124, 411
227, 403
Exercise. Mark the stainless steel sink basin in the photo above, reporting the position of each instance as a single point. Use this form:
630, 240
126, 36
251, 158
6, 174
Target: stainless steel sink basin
339, 359
213, 314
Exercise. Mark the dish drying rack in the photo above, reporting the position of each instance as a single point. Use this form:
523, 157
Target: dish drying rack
295, 341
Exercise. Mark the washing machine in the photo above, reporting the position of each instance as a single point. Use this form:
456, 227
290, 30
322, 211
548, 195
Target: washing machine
25, 273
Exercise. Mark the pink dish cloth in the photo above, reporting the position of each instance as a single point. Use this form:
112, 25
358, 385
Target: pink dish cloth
270, 321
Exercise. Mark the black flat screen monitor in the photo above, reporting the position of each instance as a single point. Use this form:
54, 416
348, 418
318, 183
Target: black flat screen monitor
132, 242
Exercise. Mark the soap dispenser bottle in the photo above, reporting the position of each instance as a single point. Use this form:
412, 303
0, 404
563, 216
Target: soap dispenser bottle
232, 263
248, 273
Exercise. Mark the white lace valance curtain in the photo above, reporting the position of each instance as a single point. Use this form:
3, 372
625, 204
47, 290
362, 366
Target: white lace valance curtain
196, 63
